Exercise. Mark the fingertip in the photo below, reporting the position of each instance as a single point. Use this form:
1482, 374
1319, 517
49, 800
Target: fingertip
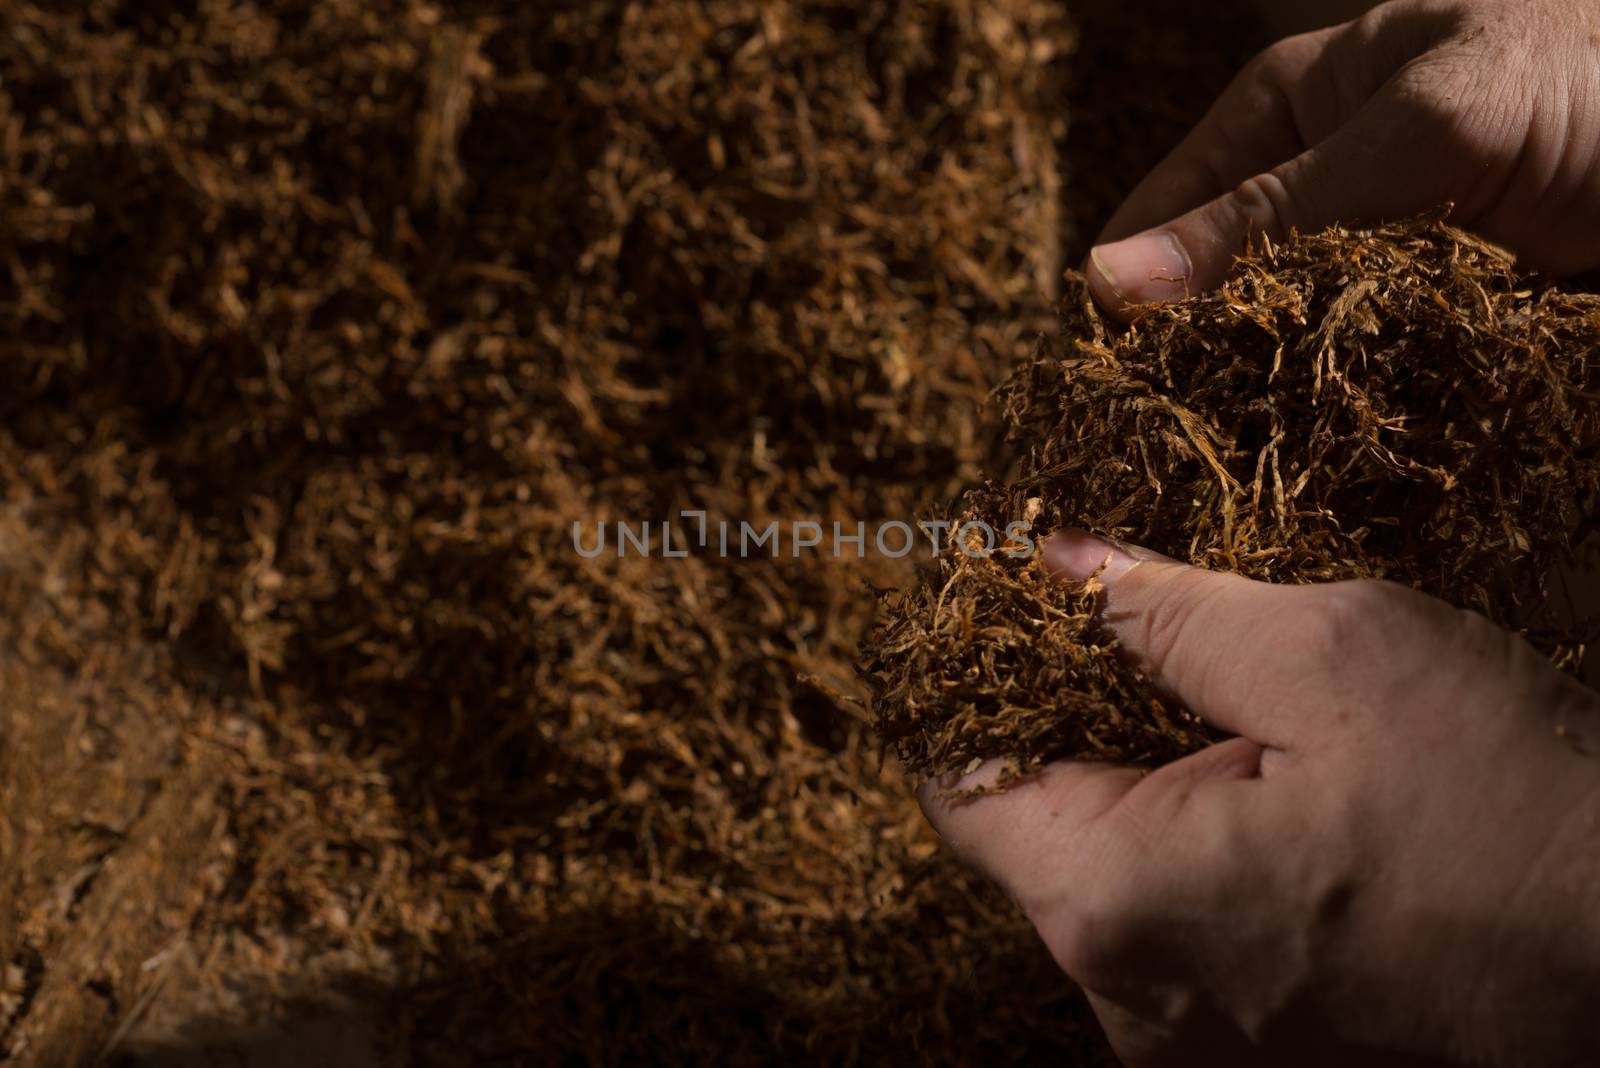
1148, 268
1076, 554
1103, 288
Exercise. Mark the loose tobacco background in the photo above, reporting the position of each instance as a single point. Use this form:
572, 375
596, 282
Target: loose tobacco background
321, 324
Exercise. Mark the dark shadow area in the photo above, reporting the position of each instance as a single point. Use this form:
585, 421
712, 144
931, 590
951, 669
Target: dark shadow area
1138, 85
606, 988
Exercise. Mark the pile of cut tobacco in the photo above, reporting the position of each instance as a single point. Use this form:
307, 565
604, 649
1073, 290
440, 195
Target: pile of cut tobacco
1392, 403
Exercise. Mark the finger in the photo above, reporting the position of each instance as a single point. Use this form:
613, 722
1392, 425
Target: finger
1021, 838
1387, 162
1175, 783
1205, 637
1171, 800
1270, 113
1009, 835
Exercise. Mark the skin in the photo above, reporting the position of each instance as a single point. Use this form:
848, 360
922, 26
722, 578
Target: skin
1492, 105
1395, 860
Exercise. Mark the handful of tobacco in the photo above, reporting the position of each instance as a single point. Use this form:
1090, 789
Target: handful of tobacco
1392, 403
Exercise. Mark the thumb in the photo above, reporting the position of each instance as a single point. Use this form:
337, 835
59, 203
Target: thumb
1383, 164
1193, 253
1221, 644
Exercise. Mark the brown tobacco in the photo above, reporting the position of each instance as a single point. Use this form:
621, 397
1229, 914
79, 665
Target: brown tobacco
1393, 403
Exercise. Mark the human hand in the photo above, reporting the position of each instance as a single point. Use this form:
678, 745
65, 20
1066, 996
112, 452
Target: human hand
1396, 857
1493, 105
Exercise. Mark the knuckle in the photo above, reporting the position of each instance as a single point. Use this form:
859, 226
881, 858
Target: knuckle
1278, 94
1340, 623
1268, 204
1166, 625
1478, 639
1367, 29
1409, 25
1280, 63
1377, 627
1435, 89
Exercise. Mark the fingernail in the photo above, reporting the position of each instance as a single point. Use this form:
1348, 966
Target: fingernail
1076, 554
1143, 269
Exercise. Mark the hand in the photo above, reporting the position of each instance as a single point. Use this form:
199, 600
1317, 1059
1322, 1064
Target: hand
1397, 856
1493, 105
